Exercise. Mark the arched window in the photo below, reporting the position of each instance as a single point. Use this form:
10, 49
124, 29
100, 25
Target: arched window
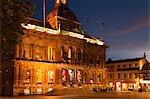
26, 51
99, 77
38, 52
39, 75
79, 77
50, 53
91, 77
84, 78
51, 76
62, 52
64, 74
79, 54
70, 53
84, 57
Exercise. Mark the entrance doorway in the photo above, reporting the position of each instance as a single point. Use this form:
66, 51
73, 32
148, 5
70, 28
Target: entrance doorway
71, 77
118, 86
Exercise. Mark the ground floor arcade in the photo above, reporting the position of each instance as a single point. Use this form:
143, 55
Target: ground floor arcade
123, 86
32, 77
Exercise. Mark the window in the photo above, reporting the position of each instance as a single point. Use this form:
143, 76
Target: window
27, 75
124, 75
62, 52
50, 51
84, 58
110, 76
39, 75
99, 78
124, 66
135, 64
98, 59
79, 76
118, 76
92, 78
78, 56
64, 77
136, 75
118, 66
130, 75
50, 76
91, 60
70, 53
39, 53
84, 78
111, 66
129, 65
26, 51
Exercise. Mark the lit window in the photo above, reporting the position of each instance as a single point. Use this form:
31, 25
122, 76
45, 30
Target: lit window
27, 75
70, 53
92, 78
39, 52
27, 91
50, 76
84, 77
39, 75
64, 77
50, 51
79, 78
26, 51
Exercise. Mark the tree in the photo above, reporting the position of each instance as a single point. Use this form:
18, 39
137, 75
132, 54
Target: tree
12, 14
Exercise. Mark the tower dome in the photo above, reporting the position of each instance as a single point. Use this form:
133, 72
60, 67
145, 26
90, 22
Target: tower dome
61, 14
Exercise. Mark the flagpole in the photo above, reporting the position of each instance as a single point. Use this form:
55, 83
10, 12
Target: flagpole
102, 24
87, 23
44, 13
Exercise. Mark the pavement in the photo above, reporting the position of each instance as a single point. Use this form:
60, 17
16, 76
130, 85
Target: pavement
86, 94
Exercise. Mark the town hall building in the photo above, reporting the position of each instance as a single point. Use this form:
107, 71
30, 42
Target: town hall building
59, 55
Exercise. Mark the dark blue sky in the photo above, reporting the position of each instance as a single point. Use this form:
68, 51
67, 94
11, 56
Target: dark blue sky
126, 28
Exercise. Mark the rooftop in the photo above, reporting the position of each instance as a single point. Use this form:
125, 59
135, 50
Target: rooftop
124, 60
34, 24
146, 66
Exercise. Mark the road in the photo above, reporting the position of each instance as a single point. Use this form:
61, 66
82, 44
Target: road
98, 96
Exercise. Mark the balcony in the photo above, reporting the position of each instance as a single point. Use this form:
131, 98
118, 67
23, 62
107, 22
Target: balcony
128, 69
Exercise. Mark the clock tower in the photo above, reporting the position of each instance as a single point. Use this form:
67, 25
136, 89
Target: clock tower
62, 16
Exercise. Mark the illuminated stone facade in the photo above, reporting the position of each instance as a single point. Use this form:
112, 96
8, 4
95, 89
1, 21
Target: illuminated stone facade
58, 56
125, 75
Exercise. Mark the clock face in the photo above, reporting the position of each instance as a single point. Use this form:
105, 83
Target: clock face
63, 1
57, 1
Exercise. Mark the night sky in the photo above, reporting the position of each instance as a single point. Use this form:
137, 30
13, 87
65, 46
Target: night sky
126, 23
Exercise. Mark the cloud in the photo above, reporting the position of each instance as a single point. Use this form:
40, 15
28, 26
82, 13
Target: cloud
134, 26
